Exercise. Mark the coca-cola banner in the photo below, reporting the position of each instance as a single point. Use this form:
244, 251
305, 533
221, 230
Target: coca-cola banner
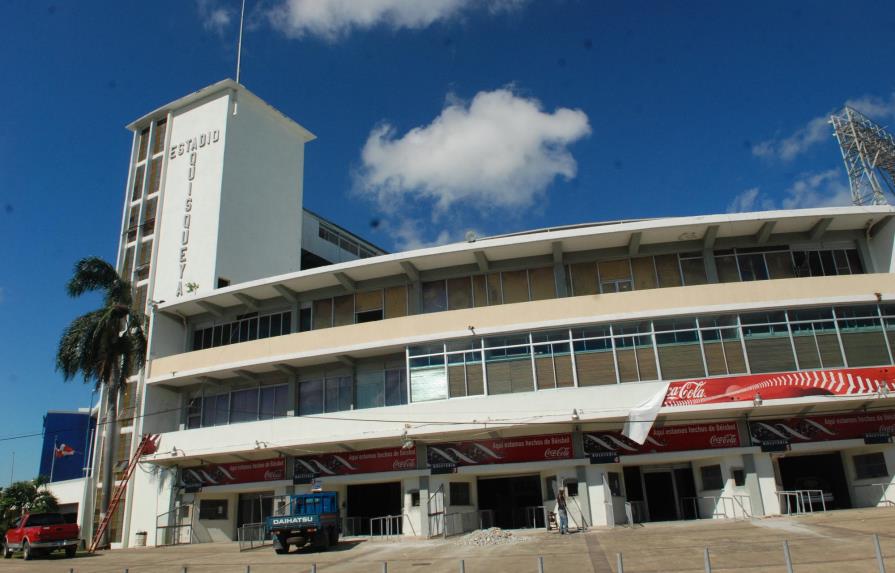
837, 382
241, 472
823, 428
446, 457
360, 462
667, 439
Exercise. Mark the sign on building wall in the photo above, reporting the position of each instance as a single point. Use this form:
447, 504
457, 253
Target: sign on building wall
666, 439
823, 428
447, 457
347, 463
228, 474
838, 382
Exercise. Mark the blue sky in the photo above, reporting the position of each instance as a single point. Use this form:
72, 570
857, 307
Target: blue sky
495, 116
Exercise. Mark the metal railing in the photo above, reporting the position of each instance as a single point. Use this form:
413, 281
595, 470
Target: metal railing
355, 526
535, 517
388, 526
252, 536
635, 512
174, 527
802, 500
464, 521
883, 492
435, 512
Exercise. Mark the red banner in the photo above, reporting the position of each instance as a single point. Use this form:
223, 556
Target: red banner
823, 428
241, 472
360, 462
667, 439
446, 457
839, 382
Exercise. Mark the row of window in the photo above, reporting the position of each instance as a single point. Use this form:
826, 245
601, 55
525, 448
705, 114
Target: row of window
248, 405
315, 396
344, 242
668, 349
155, 163
246, 327
620, 275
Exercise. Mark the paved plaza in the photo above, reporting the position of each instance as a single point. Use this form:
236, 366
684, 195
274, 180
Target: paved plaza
833, 542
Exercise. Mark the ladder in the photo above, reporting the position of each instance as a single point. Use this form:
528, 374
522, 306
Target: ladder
148, 445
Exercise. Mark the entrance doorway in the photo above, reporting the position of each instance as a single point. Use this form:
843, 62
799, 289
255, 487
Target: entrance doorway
819, 471
661, 493
516, 501
254, 508
372, 500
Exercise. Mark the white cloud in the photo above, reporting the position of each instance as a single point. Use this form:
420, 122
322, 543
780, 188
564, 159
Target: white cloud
500, 150
214, 17
824, 189
818, 129
333, 19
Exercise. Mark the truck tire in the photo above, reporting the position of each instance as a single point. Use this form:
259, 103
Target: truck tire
322, 539
70, 551
27, 552
7, 552
280, 546
333, 536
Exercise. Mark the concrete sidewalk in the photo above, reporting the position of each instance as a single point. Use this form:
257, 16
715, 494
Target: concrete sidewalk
834, 542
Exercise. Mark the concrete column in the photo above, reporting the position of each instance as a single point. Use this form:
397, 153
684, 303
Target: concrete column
424, 505
711, 270
414, 297
292, 396
753, 485
559, 277
596, 495
583, 494
767, 482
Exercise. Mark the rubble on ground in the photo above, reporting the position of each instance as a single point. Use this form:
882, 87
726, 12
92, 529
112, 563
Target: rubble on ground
491, 536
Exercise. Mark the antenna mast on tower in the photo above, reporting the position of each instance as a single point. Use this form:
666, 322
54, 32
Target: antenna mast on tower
869, 154
242, 12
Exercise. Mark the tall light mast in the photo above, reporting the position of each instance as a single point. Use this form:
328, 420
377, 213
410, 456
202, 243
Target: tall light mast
869, 154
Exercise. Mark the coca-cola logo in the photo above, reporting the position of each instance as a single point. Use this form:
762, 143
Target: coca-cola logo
688, 391
724, 440
555, 453
406, 464
272, 475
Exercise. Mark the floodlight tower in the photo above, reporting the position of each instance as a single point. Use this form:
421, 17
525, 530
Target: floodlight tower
869, 154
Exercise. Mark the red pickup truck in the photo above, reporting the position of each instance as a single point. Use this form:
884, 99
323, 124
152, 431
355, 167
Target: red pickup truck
38, 533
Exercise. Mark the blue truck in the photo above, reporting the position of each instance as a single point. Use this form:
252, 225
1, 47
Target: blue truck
310, 519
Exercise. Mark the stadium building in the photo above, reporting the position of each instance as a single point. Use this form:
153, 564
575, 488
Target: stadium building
661, 369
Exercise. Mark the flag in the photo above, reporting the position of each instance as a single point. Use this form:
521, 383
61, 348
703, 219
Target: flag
63, 450
641, 418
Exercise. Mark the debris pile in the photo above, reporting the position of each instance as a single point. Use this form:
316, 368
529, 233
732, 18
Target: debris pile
491, 536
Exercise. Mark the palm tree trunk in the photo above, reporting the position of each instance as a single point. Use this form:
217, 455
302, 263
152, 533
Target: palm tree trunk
109, 454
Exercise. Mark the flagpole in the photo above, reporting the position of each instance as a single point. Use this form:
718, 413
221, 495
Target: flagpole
53, 463
239, 44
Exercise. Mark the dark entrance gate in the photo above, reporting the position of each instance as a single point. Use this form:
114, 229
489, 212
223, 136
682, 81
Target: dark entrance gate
819, 471
516, 501
254, 508
366, 502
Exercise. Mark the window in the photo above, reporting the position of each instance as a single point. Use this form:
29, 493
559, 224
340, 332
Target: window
132, 219
138, 183
339, 394
159, 142
862, 336
460, 493
571, 486
149, 216
615, 486
194, 413
143, 144
584, 279
870, 466
515, 286
459, 293
368, 306
711, 477
215, 410
155, 175
415, 498
223, 283
310, 397
274, 402
693, 269
434, 296
550, 487
615, 276
244, 406
212, 509
739, 477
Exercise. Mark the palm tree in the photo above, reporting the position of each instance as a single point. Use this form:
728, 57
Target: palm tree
106, 346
